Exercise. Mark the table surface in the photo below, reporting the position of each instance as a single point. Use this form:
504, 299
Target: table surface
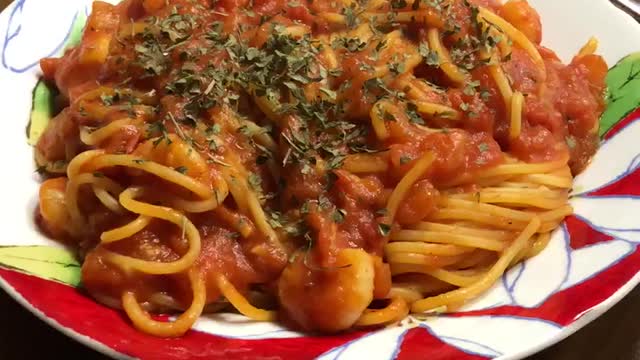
614, 336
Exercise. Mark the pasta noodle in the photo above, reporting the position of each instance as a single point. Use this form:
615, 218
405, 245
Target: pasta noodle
516, 115
399, 156
445, 60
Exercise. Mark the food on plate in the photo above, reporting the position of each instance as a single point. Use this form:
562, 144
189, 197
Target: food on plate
326, 164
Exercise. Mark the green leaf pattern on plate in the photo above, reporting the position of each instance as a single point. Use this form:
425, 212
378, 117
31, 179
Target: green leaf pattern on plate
76, 31
44, 261
41, 112
623, 83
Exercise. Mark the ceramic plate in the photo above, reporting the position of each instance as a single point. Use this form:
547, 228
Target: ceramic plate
592, 261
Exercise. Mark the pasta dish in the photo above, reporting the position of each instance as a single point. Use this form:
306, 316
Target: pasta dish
326, 164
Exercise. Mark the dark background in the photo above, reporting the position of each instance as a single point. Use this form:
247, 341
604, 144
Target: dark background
614, 336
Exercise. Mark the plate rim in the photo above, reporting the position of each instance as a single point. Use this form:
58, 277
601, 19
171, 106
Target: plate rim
566, 331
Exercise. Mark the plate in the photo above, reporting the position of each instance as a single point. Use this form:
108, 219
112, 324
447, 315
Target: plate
592, 261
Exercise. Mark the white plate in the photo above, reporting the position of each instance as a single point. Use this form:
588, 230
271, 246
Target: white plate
590, 264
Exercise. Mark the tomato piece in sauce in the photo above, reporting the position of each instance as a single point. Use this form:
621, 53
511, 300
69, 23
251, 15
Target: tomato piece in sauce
419, 203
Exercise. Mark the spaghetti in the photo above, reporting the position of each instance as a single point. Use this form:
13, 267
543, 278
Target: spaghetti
329, 164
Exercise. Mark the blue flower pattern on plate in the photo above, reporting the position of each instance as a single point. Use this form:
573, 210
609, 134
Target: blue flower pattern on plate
19, 35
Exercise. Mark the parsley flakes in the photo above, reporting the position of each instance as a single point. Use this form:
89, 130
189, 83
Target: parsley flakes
384, 229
